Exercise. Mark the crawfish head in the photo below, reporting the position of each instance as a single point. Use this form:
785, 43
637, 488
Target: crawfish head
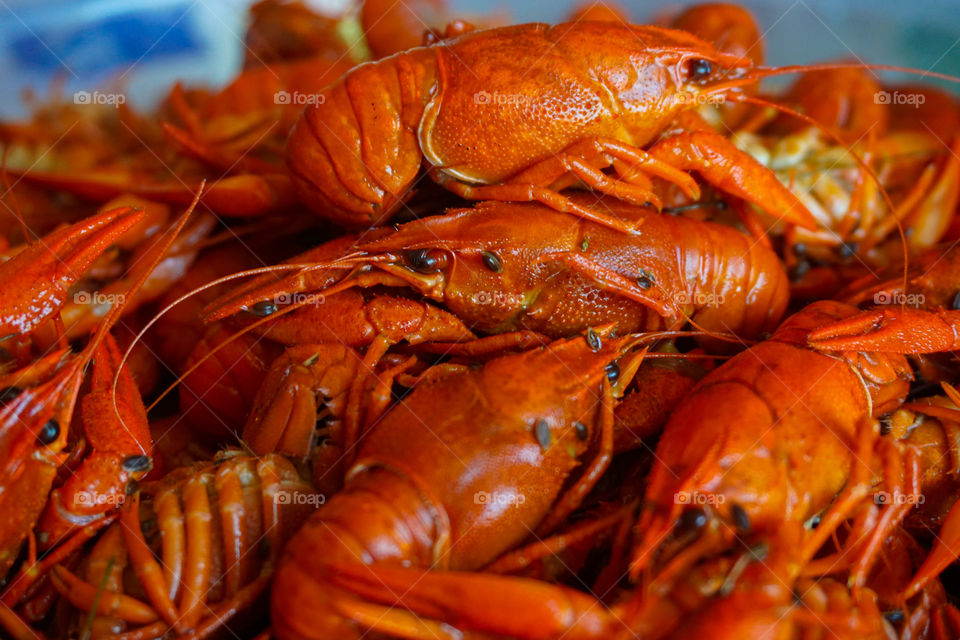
33, 434
31, 419
498, 275
470, 260
655, 73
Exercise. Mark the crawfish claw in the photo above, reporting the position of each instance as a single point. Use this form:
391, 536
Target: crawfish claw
891, 330
40, 275
538, 610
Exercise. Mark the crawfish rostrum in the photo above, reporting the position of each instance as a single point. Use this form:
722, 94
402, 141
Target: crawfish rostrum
470, 329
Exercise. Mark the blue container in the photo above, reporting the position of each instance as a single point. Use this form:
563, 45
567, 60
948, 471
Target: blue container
133, 50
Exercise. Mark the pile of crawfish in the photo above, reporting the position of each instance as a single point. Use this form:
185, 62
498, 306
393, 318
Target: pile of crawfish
426, 328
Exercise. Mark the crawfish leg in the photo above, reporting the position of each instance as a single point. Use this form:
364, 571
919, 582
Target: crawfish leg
106, 566
172, 536
39, 568
235, 511
223, 611
101, 592
488, 345
85, 596
149, 632
146, 567
721, 164
946, 622
277, 475
354, 417
271, 483
896, 479
857, 487
935, 214
381, 396
530, 193
582, 170
859, 532
751, 221
273, 475
211, 154
944, 552
196, 578
16, 627
582, 161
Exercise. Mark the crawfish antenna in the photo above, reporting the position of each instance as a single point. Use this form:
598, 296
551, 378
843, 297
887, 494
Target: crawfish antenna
153, 258
766, 72
345, 284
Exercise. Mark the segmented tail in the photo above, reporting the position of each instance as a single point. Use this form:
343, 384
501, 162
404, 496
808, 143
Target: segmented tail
355, 154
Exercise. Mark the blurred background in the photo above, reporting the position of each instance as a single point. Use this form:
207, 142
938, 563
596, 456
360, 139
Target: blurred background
141, 48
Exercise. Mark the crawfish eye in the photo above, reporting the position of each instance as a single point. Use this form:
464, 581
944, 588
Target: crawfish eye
691, 520
894, 616
492, 261
740, 517
613, 372
49, 433
645, 280
581, 430
593, 340
542, 431
699, 69
136, 463
427, 260
263, 308
9, 393
847, 249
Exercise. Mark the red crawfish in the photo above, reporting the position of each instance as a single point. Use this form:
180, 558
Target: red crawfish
554, 274
726, 503
35, 416
200, 545
520, 113
462, 469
